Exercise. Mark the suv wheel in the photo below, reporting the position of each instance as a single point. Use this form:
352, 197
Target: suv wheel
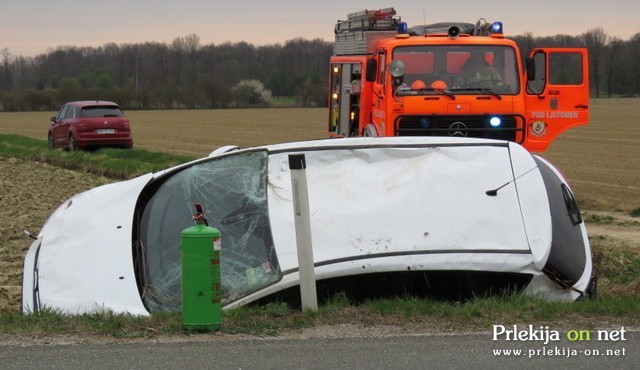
72, 143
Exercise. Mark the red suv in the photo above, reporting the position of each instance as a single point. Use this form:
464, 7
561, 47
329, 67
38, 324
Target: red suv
84, 124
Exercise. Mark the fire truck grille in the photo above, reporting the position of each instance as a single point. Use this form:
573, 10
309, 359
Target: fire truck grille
503, 128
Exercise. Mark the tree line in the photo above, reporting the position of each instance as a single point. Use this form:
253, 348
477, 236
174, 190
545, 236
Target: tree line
152, 75
186, 74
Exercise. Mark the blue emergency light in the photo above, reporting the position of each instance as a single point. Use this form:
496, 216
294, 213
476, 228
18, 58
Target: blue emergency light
496, 27
403, 28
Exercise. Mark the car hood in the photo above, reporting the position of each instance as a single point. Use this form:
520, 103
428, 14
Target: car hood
83, 256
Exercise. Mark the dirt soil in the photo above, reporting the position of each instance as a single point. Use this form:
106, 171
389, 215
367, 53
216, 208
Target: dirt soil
31, 191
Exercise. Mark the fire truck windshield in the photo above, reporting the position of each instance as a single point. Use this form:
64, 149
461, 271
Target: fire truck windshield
473, 69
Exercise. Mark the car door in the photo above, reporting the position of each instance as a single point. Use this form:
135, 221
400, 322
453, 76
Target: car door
56, 126
64, 125
557, 94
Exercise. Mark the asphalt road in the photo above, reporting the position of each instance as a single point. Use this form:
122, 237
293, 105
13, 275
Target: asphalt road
406, 352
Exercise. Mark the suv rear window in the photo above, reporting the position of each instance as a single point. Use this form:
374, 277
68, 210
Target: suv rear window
101, 111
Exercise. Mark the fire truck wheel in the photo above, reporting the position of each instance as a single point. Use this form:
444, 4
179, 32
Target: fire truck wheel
370, 131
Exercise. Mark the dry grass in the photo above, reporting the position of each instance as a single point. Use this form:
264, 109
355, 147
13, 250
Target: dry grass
601, 160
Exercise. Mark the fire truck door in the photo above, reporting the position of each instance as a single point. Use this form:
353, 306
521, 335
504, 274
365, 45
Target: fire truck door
346, 85
557, 99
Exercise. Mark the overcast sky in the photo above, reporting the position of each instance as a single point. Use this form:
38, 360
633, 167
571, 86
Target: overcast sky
31, 27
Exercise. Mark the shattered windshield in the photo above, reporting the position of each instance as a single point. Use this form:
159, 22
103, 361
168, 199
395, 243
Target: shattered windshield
232, 191
453, 70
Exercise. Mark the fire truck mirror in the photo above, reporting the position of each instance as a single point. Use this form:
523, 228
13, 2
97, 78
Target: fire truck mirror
397, 68
372, 69
531, 69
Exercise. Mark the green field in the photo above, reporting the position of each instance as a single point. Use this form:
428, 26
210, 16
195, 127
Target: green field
601, 160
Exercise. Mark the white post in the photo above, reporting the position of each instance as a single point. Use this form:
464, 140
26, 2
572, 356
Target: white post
308, 294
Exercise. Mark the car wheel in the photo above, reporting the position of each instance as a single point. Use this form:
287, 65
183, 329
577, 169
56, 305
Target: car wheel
50, 141
72, 143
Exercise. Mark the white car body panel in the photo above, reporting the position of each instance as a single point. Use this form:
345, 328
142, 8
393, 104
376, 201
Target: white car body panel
434, 214
85, 262
419, 204
583, 283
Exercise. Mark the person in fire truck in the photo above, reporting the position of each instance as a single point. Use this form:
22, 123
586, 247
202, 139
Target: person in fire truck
478, 73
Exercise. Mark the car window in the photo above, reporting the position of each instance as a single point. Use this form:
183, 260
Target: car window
101, 111
62, 112
70, 112
233, 193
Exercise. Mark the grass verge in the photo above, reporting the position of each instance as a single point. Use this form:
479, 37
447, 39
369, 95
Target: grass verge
404, 314
112, 163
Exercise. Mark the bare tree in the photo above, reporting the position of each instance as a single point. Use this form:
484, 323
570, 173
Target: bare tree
635, 56
191, 43
178, 49
614, 47
595, 40
6, 64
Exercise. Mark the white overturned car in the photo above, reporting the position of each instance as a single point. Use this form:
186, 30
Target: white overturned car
441, 217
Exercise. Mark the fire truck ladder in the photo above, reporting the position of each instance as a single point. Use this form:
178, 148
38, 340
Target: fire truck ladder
366, 20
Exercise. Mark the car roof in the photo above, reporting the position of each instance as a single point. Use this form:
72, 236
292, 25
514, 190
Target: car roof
93, 103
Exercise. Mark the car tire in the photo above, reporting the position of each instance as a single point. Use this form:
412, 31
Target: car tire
50, 141
72, 143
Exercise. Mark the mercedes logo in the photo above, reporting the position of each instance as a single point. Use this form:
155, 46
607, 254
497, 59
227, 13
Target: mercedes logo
458, 129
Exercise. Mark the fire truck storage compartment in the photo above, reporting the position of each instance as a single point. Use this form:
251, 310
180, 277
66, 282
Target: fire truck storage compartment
359, 42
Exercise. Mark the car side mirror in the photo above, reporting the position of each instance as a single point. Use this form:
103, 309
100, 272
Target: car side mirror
372, 70
53, 119
531, 69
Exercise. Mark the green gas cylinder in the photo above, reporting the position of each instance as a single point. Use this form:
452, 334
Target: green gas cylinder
200, 276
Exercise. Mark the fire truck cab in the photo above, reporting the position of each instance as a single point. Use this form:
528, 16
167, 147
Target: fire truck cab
451, 79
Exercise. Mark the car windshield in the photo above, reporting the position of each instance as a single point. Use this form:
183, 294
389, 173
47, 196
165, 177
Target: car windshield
477, 69
232, 191
101, 111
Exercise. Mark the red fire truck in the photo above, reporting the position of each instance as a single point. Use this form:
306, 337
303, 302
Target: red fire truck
451, 79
